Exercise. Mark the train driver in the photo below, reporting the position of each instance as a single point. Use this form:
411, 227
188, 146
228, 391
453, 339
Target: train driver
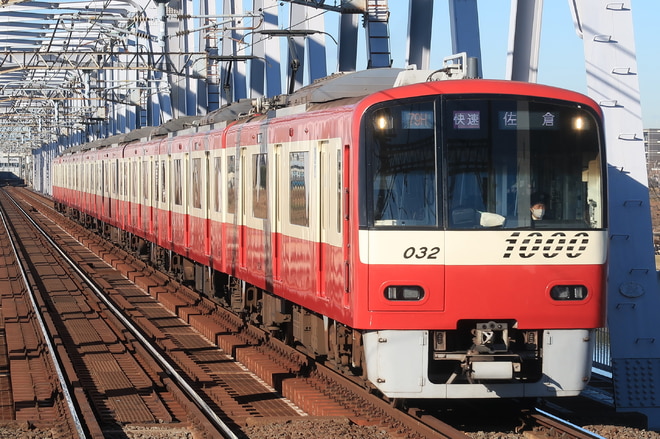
537, 209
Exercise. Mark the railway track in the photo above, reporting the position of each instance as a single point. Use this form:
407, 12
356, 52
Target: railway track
176, 322
106, 380
201, 341
118, 376
311, 386
27, 389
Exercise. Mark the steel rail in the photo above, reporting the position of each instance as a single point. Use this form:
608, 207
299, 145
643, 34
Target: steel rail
549, 420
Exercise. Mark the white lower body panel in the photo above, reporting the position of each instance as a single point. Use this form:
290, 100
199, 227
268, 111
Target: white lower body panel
398, 361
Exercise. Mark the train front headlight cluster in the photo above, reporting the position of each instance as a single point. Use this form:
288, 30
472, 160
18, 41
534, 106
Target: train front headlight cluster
568, 292
404, 292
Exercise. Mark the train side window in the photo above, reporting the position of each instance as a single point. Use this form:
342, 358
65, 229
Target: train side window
134, 177
231, 184
163, 186
339, 199
156, 178
122, 183
177, 182
217, 198
145, 180
298, 190
99, 179
196, 171
260, 186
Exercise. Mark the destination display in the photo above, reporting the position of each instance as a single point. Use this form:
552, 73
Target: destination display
508, 120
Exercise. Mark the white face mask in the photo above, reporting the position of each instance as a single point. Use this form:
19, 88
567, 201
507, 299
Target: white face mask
538, 213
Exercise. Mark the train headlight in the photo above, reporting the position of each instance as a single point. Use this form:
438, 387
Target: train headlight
580, 123
404, 292
568, 292
383, 121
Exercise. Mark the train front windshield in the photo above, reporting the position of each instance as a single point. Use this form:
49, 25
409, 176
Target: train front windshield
482, 163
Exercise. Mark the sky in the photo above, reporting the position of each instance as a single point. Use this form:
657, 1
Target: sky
561, 59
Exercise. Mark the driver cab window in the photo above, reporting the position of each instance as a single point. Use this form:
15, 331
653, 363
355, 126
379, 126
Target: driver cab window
403, 165
522, 163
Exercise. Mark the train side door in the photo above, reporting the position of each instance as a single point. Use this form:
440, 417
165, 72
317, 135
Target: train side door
103, 188
233, 210
206, 193
242, 218
169, 197
187, 196
330, 254
112, 205
277, 203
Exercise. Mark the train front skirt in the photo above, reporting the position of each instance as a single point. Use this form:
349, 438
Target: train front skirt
566, 368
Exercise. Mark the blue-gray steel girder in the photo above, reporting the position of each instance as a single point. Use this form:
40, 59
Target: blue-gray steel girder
272, 51
464, 23
160, 107
233, 73
296, 44
258, 63
420, 24
316, 46
633, 301
378, 34
522, 61
348, 36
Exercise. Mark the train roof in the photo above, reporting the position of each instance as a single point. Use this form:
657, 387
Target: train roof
333, 90
337, 87
345, 86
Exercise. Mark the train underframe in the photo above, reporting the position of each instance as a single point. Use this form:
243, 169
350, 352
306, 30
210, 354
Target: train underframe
480, 359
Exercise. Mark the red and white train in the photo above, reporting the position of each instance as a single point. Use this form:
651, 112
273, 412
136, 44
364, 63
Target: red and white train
384, 228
